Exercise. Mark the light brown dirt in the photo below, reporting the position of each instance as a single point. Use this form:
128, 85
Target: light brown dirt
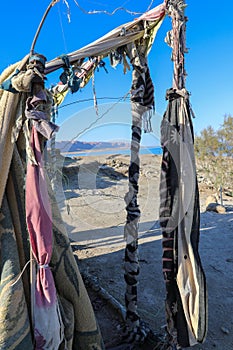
92, 204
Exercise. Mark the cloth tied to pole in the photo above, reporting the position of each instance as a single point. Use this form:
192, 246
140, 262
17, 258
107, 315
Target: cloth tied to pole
38, 110
186, 299
47, 319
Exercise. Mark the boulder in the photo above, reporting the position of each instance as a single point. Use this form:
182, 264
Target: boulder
211, 199
217, 208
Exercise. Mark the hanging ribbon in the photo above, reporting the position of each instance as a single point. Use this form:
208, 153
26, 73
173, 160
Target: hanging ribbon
47, 321
186, 294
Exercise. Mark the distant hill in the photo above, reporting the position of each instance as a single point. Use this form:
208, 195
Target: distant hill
77, 146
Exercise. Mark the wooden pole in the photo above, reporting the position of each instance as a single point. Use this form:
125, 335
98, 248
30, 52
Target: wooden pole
53, 2
177, 40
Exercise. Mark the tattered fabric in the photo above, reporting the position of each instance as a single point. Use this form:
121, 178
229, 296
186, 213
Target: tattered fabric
47, 323
81, 330
142, 101
186, 300
118, 37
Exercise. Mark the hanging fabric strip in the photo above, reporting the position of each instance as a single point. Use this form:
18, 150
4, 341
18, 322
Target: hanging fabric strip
142, 100
47, 321
94, 94
53, 167
132, 331
186, 299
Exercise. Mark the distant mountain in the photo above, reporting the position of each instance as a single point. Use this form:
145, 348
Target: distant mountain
77, 146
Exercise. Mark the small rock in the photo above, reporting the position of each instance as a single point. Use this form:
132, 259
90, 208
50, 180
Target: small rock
220, 209
211, 199
96, 192
217, 208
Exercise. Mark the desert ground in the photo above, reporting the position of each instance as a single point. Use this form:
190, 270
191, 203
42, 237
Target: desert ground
91, 198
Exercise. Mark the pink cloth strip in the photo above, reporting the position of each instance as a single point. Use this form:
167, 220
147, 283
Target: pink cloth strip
39, 223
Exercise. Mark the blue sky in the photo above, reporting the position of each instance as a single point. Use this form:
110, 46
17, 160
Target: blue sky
209, 63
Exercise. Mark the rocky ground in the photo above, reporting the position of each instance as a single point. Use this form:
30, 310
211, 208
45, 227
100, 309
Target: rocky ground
91, 199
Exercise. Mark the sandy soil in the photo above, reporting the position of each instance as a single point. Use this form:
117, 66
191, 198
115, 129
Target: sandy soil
91, 199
